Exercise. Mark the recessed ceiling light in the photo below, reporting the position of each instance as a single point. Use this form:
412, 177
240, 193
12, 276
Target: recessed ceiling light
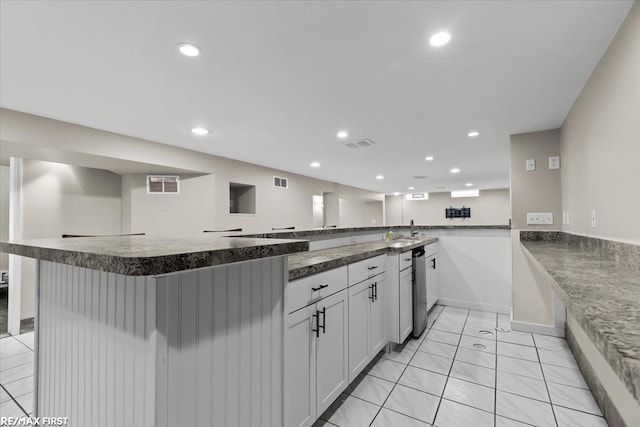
315, 164
429, 158
455, 170
473, 134
440, 39
343, 134
396, 193
379, 177
411, 188
188, 49
200, 131
469, 184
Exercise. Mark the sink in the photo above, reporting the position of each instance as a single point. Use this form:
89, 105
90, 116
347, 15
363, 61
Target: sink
403, 241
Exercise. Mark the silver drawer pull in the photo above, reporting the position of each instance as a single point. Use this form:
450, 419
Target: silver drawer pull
319, 287
373, 267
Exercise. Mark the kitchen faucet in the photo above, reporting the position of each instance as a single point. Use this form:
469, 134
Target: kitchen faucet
414, 232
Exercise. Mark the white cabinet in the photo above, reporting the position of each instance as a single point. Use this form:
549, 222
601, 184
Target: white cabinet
405, 295
332, 344
378, 327
366, 269
316, 358
311, 289
433, 287
300, 368
331, 333
360, 297
399, 322
367, 331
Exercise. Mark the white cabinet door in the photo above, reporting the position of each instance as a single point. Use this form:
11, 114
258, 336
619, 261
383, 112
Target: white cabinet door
332, 349
300, 368
360, 297
433, 290
378, 326
406, 304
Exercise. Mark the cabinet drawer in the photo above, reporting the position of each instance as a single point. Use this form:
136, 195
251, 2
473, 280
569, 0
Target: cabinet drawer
311, 289
362, 270
430, 250
404, 260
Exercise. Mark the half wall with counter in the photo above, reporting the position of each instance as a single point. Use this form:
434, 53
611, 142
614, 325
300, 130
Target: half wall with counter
139, 331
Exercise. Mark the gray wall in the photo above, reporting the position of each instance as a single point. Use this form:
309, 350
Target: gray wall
275, 207
539, 190
490, 208
189, 212
533, 191
599, 147
60, 199
600, 143
4, 213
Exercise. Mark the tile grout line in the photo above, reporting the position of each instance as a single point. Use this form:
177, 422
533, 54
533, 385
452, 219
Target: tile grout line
546, 386
14, 400
426, 332
451, 367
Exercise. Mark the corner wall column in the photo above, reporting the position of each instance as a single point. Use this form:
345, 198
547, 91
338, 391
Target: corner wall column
15, 233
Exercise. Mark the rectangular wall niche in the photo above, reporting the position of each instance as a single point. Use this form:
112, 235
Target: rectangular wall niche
242, 198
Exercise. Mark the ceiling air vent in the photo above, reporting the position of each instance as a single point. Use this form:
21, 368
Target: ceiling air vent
420, 177
280, 182
359, 143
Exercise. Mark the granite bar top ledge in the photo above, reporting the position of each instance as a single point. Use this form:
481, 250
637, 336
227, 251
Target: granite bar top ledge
146, 255
302, 234
307, 263
599, 282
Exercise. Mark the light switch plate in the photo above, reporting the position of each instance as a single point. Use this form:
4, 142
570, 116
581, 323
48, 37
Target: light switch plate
540, 218
554, 162
593, 219
531, 164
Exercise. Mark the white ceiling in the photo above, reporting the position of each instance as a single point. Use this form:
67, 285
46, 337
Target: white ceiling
277, 80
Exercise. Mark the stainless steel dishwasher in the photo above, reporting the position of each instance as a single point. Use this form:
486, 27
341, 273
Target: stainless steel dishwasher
419, 268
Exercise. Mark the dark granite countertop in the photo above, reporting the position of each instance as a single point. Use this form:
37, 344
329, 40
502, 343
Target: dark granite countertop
599, 282
145, 255
301, 234
307, 263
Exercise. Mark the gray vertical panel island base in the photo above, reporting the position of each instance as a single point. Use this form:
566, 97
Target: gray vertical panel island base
139, 331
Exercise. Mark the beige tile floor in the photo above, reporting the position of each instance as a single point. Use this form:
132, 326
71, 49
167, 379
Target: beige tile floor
16, 375
469, 369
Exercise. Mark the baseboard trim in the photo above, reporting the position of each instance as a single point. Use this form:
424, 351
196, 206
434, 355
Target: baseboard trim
474, 305
537, 329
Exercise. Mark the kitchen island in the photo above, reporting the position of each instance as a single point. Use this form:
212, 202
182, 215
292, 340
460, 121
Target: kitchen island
141, 331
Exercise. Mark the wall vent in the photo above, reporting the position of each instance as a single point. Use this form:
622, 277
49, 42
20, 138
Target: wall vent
280, 182
417, 196
359, 143
163, 184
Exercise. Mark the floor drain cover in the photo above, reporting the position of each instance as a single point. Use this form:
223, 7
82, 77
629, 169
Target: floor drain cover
479, 346
485, 332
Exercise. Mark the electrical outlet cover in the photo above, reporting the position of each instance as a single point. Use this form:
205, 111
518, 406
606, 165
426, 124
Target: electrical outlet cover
531, 164
554, 162
593, 219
